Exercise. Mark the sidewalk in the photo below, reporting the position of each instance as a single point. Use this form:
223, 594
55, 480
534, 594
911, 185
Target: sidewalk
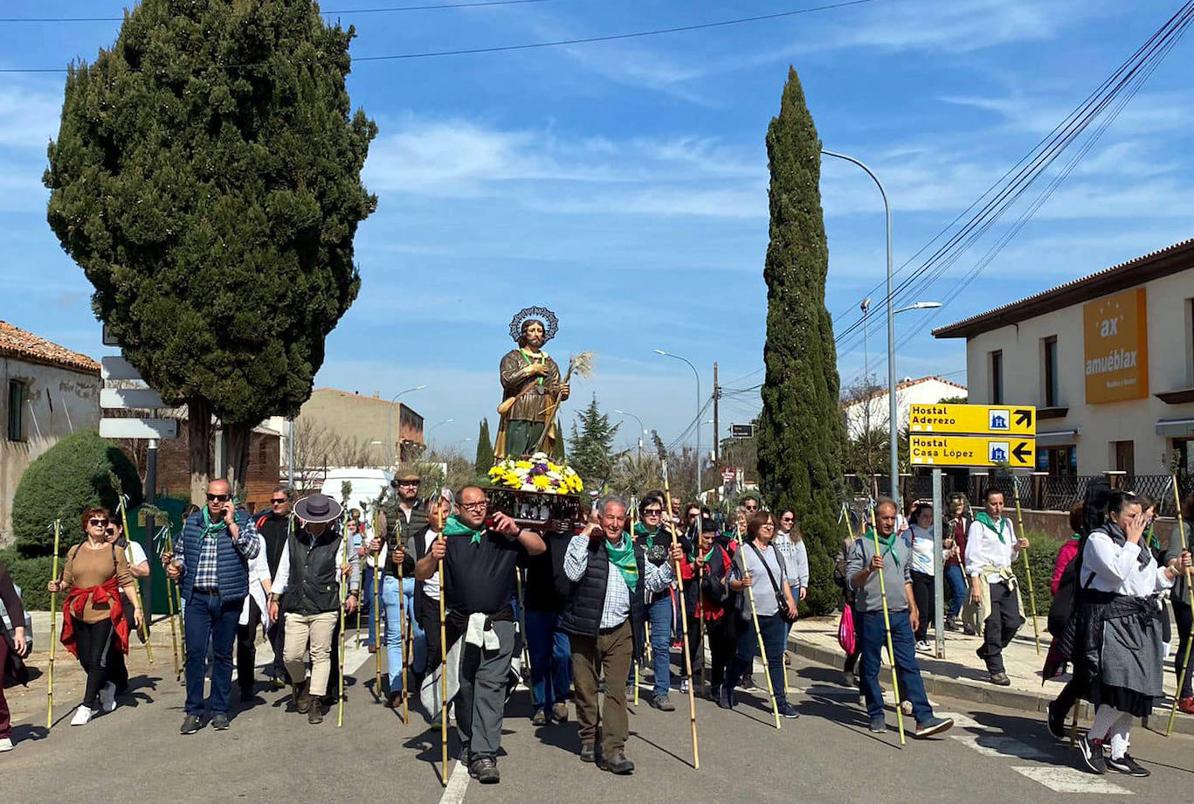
961, 674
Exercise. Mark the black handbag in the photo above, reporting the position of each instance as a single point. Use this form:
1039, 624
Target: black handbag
15, 671
786, 613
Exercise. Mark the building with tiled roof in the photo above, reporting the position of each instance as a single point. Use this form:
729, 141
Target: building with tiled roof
24, 345
867, 409
1107, 358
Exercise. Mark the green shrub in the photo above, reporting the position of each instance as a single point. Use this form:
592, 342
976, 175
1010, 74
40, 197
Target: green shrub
1042, 554
70, 476
31, 574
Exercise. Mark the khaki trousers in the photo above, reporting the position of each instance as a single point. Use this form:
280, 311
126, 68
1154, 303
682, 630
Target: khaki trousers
315, 631
606, 654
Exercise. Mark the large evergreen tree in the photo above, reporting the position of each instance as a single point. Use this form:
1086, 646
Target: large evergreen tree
801, 433
484, 461
206, 177
592, 445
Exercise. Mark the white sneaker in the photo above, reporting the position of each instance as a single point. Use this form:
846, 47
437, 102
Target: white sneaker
906, 707
108, 697
684, 686
82, 716
5, 744
923, 647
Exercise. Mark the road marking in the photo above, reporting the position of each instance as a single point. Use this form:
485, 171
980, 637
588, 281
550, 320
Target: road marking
457, 785
1070, 780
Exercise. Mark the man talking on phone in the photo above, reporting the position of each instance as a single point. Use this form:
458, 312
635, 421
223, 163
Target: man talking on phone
211, 565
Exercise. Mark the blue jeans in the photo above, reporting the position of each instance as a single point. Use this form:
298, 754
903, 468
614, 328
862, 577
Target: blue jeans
775, 642
209, 619
393, 601
874, 639
659, 615
550, 652
957, 589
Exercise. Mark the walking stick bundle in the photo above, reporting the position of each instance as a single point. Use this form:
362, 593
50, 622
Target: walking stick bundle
443, 676
895, 679
1181, 529
1027, 566
754, 618
53, 627
142, 629
170, 612
343, 598
696, 744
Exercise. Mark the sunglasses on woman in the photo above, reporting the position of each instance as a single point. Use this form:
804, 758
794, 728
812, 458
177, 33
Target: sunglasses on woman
94, 522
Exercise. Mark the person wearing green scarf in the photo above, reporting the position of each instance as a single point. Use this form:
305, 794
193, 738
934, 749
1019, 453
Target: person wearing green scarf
991, 548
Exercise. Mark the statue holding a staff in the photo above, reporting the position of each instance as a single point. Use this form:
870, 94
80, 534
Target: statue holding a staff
532, 387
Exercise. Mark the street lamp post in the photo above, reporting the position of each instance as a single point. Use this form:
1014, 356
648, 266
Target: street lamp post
642, 428
696, 374
891, 375
390, 423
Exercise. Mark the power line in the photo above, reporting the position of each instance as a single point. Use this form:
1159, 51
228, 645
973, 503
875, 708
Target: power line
554, 43
333, 12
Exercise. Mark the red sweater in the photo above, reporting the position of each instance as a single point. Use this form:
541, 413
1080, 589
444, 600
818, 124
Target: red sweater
1067, 553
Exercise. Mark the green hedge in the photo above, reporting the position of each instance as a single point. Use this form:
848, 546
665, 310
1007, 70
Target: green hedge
68, 477
31, 574
1042, 554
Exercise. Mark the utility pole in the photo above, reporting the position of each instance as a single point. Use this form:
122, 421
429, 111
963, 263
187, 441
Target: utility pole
716, 430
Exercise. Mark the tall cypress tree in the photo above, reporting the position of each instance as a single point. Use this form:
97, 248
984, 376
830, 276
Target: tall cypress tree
801, 432
484, 461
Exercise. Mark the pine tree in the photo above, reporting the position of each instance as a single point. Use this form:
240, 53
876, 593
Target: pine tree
801, 432
590, 453
206, 177
484, 460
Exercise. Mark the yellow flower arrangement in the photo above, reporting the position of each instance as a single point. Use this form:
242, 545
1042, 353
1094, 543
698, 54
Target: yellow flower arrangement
536, 474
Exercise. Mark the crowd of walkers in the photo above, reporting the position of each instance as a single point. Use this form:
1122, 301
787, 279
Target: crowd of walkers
613, 600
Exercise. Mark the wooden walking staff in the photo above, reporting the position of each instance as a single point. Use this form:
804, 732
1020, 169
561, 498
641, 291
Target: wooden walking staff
53, 627
379, 576
343, 598
895, 679
1027, 566
169, 547
648, 627
443, 658
142, 628
696, 743
1181, 529
754, 617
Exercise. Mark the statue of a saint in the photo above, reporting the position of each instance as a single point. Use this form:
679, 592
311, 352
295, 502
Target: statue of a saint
531, 386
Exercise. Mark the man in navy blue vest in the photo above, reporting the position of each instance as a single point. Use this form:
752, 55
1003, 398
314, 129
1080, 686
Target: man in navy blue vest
605, 617
211, 564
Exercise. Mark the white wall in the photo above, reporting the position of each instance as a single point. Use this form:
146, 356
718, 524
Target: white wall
875, 410
1170, 367
60, 402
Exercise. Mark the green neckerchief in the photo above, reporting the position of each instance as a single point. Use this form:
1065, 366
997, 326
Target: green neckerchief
527, 358
982, 516
888, 542
708, 555
209, 526
623, 558
1076, 537
454, 527
641, 530
1151, 536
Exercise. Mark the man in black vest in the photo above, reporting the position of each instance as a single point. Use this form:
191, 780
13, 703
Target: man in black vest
308, 587
274, 527
605, 618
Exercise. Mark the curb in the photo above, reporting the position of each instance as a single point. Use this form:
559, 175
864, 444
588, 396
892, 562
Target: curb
975, 692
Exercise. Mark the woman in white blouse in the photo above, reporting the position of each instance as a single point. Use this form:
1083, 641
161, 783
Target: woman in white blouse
1117, 642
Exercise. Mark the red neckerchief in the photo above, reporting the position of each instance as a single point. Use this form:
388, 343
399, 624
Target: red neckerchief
76, 601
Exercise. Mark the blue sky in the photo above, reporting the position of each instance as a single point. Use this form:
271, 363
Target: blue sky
623, 184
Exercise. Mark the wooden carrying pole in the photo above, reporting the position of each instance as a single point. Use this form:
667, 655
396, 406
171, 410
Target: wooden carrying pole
143, 628
53, 627
343, 598
754, 618
170, 612
895, 679
1181, 529
1036, 633
443, 658
696, 743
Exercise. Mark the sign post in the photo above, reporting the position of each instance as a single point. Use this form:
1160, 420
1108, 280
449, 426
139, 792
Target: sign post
938, 568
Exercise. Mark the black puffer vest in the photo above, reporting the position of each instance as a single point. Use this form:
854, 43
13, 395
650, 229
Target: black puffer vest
582, 616
314, 584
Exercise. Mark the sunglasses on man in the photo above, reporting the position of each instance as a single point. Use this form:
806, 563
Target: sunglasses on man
217, 497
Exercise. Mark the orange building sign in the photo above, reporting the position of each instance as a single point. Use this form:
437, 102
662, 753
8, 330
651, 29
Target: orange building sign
1115, 335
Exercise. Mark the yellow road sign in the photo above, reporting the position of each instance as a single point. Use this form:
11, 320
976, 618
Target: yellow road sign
949, 450
974, 419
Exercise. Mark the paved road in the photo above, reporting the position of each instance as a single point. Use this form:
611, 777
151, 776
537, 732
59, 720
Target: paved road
826, 755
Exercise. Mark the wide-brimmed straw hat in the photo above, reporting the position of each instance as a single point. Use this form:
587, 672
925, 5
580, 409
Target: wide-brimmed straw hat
318, 508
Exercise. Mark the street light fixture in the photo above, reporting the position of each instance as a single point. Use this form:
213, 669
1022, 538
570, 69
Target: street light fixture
390, 422
642, 429
696, 374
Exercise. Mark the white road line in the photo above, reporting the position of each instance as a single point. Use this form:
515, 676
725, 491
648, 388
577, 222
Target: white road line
457, 785
1071, 780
